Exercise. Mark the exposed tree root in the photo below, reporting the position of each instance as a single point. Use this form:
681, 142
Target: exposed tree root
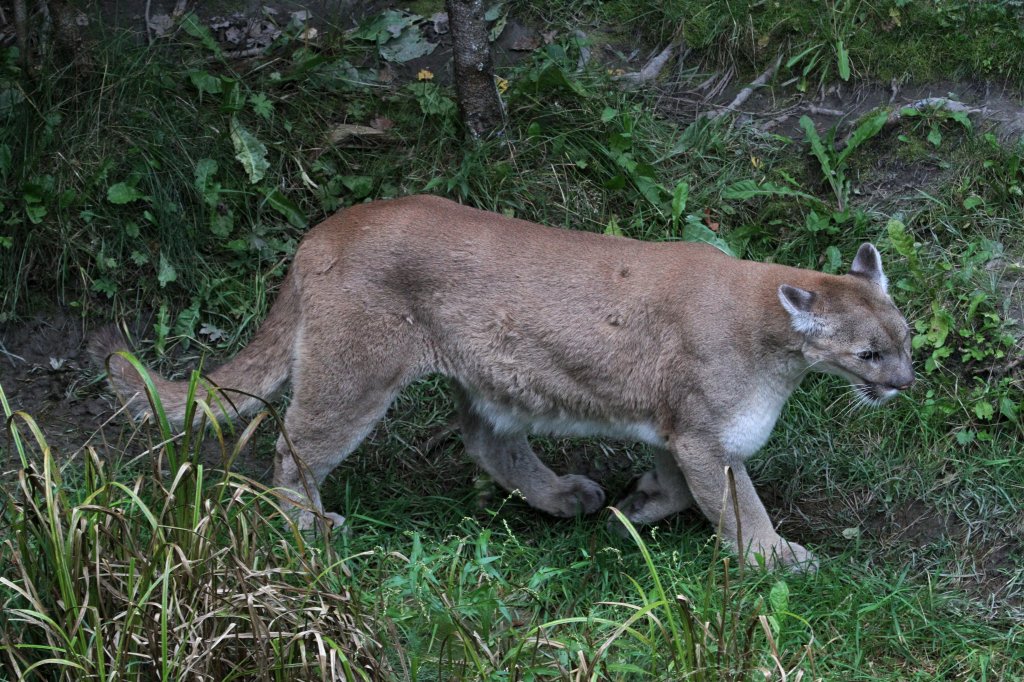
653, 67
744, 94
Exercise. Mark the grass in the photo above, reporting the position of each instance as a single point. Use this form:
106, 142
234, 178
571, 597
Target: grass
123, 191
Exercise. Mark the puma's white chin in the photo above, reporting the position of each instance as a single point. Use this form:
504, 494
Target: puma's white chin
873, 394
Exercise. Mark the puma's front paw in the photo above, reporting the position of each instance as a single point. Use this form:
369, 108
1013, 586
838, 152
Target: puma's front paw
307, 520
578, 495
786, 555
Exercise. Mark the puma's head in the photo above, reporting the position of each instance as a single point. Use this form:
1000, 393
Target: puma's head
851, 328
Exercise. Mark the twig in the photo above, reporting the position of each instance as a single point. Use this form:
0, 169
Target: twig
723, 82
771, 124
825, 111
581, 38
239, 54
744, 94
705, 84
10, 356
149, 31
652, 68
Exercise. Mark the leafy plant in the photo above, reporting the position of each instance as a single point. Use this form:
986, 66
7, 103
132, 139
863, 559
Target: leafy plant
833, 163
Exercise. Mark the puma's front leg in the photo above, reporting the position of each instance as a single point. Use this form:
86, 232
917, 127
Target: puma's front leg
510, 460
704, 465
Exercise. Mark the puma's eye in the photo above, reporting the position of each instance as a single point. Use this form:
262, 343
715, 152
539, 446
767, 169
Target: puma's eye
869, 355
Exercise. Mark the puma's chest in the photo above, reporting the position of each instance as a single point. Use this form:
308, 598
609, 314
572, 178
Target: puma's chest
748, 427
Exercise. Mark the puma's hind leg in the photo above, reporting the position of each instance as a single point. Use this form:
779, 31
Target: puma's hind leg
341, 387
509, 459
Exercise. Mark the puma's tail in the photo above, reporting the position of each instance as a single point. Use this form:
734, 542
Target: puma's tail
261, 369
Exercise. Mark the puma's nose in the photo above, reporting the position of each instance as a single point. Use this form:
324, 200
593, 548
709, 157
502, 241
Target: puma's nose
907, 383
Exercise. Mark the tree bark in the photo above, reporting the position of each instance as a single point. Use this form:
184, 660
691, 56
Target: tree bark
21, 31
474, 68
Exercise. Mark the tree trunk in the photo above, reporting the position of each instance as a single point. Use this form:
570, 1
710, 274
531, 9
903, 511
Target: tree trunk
474, 69
21, 31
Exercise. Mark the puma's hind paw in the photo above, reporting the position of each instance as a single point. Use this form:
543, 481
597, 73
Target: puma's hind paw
578, 495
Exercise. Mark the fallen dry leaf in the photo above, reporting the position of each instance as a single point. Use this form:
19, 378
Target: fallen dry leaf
381, 123
713, 226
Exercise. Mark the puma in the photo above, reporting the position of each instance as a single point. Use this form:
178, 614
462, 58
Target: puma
555, 332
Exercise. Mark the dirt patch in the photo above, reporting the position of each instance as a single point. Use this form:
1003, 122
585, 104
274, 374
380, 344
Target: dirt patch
986, 563
778, 108
45, 372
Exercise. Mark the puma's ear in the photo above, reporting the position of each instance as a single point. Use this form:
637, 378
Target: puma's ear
798, 303
868, 263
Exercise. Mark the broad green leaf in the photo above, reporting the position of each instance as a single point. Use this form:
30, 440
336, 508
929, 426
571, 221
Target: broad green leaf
868, 128
206, 82
552, 77
249, 151
204, 184
901, 240
221, 224
35, 213
234, 98
934, 136
779, 597
817, 148
410, 44
651, 190
696, 231
191, 24
965, 437
359, 185
122, 193
431, 99
833, 260
748, 189
679, 196
261, 105
612, 228
166, 272
843, 59
286, 207
961, 118
384, 26
1009, 409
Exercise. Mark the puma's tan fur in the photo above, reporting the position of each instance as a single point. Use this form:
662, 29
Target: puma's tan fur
556, 332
